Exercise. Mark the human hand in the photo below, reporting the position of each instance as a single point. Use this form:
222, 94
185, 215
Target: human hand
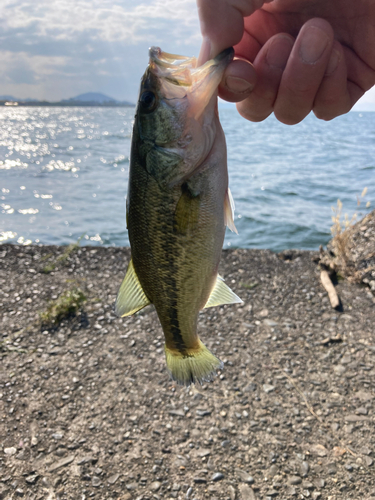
306, 54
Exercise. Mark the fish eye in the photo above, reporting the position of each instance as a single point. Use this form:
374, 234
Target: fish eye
148, 101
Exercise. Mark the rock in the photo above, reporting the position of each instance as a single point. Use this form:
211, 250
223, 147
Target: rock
177, 413
246, 492
133, 486
318, 449
61, 463
218, 476
232, 492
272, 493
155, 486
112, 479
273, 471
293, 480
244, 476
200, 480
95, 481
10, 451
315, 495
203, 413
268, 388
369, 461
19, 492
189, 493
304, 469
31, 479
331, 468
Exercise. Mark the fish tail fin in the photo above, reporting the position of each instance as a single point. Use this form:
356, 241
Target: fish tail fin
198, 365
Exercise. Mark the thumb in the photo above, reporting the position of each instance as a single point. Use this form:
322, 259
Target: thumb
222, 24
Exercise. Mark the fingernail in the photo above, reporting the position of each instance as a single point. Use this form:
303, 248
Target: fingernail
313, 44
333, 62
278, 52
238, 85
205, 52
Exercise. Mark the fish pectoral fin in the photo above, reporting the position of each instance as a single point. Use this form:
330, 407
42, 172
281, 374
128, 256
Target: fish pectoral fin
131, 297
229, 211
222, 294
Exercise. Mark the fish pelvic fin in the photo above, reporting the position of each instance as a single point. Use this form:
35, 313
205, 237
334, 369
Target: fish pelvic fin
199, 365
229, 211
131, 297
221, 294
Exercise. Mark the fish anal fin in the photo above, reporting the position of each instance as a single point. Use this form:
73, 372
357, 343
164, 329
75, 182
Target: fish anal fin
229, 211
131, 297
221, 294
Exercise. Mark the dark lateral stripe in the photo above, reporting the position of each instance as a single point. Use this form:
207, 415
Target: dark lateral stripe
176, 331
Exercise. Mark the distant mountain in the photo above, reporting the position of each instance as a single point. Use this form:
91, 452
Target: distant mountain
14, 99
95, 97
87, 99
7, 98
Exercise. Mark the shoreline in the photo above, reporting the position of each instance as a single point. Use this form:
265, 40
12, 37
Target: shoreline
88, 409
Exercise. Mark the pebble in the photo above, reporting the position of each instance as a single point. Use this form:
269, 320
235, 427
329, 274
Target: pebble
133, 486
307, 485
232, 492
246, 492
315, 495
61, 463
200, 480
95, 481
369, 461
272, 493
189, 493
31, 479
244, 476
331, 468
155, 486
293, 480
304, 469
218, 476
10, 451
20, 492
112, 479
268, 388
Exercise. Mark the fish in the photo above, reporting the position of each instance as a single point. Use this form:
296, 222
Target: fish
178, 206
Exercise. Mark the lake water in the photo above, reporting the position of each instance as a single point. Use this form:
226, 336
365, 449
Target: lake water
64, 172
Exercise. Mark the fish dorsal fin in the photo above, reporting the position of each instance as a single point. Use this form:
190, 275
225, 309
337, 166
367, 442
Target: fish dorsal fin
229, 211
131, 297
222, 294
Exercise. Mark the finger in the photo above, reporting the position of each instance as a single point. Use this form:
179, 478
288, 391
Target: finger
238, 81
304, 71
333, 98
269, 66
222, 24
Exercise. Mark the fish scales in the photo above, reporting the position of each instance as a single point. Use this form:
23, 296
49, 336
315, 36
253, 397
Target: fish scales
176, 216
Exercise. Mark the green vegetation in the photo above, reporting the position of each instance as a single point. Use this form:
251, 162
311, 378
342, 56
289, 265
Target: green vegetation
250, 286
66, 305
62, 259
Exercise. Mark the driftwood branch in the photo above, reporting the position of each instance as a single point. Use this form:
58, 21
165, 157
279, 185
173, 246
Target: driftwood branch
332, 294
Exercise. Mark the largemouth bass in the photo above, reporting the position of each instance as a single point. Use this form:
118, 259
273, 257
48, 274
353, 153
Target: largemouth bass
178, 205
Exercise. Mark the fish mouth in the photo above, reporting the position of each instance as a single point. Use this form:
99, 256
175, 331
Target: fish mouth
183, 71
179, 77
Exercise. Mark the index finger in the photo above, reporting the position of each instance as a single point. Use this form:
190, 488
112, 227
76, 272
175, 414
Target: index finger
222, 24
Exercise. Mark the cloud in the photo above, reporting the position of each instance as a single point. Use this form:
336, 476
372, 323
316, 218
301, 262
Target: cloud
64, 47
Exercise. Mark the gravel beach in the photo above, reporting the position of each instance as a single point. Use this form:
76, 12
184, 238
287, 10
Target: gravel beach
88, 411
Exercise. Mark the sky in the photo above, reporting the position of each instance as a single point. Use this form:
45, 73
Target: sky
56, 49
